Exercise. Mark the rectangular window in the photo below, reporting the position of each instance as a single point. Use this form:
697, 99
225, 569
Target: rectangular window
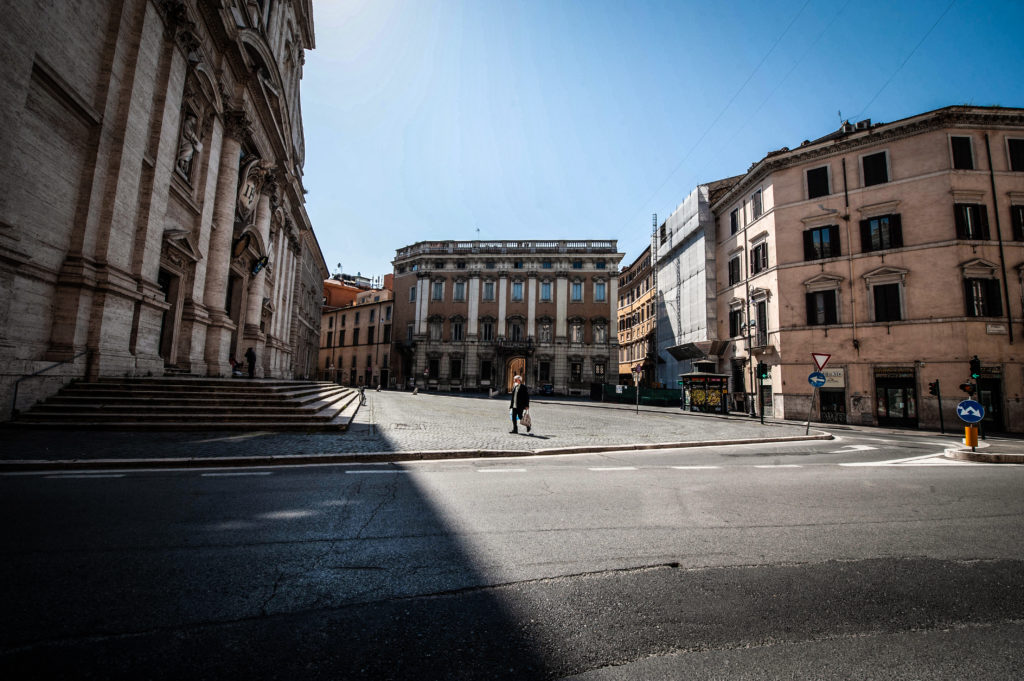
370, 334
437, 291
817, 182
545, 372
1017, 220
355, 336
356, 320
387, 313
1016, 155
330, 339
343, 320
387, 334
545, 290
759, 258
963, 158
755, 203
487, 331
433, 368
971, 221
456, 369
456, 331
983, 298
459, 292
373, 313
761, 309
330, 323
881, 233
734, 221
545, 332
435, 330
577, 292
735, 322
546, 265
489, 264
410, 331
517, 290
599, 294
876, 169
485, 370
821, 308
341, 338
600, 264
412, 295
887, 303
576, 372
577, 264
488, 290
734, 270
821, 242
515, 331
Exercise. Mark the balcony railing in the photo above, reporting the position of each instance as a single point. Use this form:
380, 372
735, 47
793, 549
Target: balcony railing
461, 247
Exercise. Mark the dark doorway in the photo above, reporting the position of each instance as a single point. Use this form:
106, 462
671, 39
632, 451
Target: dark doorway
990, 394
895, 397
833, 406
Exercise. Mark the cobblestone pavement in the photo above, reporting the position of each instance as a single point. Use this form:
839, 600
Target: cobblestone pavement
403, 422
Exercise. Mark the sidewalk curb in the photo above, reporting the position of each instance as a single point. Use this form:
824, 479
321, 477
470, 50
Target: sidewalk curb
983, 457
373, 457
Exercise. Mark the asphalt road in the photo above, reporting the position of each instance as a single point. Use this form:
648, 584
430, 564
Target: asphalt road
865, 557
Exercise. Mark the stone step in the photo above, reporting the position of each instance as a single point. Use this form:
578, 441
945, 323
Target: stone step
295, 398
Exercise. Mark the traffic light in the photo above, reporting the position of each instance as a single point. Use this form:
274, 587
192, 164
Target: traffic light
975, 368
933, 388
762, 370
967, 388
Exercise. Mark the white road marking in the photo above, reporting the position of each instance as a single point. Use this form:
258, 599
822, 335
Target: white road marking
781, 465
853, 448
695, 468
84, 476
374, 472
613, 468
501, 470
891, 462
236, 474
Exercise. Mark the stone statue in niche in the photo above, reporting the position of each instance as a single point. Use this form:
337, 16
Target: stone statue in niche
189, 145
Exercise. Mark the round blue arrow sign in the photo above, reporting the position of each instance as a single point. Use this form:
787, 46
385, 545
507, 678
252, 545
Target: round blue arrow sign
817, 379
970, 411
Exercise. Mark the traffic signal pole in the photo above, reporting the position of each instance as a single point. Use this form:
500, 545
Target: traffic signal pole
935, 389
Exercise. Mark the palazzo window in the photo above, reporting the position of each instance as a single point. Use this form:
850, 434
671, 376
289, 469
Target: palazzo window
963, 156
435, 329
734, 270
412, 294
456, 369
1017, 220
459, 292
599, 291
821, 242
437, 290
457, 330
1016, 149
876, 168
433, 368
886, 298
515, 331
971, 221
577, 292
600, 333
817, 182
734, 221
735, 322
599, 371
881, 233
822, 308
355, 336
487, 330
576, 332
544, 334
517, 290
759, 258
489, 290
755, 204
576, 372
983, 297
545, 291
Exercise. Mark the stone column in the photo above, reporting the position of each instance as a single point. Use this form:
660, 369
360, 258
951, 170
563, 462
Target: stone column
561, 307
218, 257
253, 334
502, 305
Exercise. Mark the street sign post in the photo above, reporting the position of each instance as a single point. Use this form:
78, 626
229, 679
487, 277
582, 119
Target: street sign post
816, 379
970, 412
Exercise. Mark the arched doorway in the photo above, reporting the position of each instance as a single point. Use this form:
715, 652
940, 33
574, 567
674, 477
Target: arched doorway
516, 366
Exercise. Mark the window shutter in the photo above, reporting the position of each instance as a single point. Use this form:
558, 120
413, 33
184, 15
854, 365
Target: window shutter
969, 298
961, 227
812, 317
834, 241
995, 300
808, 245
983, 221
896, 228
830, 308
865, 235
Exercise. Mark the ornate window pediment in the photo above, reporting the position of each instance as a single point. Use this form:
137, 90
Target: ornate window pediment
979, 269
885, 275
823, 282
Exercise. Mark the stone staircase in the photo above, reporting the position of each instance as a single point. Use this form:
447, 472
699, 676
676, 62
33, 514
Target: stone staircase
185, 403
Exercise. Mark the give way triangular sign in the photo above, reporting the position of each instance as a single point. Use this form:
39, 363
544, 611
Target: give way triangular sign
820, 359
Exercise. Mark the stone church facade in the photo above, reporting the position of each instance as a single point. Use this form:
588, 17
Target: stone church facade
152, 212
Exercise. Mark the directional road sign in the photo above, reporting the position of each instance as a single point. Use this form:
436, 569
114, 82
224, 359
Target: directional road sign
820, 359
817, 379
970, 411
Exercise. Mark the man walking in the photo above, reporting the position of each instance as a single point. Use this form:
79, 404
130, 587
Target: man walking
250, 357
520, 403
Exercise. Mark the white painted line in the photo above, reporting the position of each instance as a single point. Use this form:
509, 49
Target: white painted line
374, 472
84, 476
614, 468
853, 448
235, 474
781, 465
695, 468
501, 470
890, 462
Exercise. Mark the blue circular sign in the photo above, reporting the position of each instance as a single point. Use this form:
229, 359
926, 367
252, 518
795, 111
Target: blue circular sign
970, 411
817, 379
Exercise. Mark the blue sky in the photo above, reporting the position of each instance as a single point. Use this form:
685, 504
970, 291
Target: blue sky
578, 119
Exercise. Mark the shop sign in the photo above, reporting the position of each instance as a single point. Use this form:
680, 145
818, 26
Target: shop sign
834, 378
894, 372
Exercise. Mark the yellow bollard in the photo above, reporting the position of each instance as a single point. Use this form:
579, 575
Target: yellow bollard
971, 436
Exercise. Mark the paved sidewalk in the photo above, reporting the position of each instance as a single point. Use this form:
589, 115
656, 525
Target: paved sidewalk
393, 426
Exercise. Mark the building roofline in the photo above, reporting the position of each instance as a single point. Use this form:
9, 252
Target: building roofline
850, 137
